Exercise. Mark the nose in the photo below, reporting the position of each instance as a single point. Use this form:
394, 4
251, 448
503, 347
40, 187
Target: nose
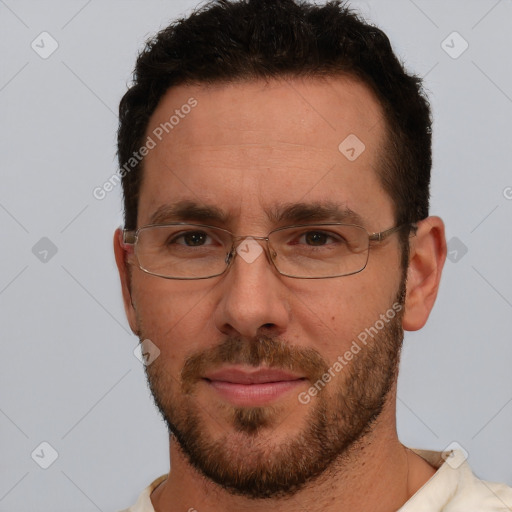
252, 294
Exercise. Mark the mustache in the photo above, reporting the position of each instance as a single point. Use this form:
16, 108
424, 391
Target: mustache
259, 351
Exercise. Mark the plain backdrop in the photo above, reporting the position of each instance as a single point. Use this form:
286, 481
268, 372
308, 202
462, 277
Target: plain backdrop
68, 374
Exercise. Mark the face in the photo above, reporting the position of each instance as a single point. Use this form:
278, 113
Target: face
239, 352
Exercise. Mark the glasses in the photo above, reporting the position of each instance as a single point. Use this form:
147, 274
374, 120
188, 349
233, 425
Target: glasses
308, 251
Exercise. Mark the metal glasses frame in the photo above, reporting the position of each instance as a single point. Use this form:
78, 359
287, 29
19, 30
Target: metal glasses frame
130, 237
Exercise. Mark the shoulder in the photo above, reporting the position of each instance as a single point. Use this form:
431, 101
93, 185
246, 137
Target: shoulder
455, 488
475, 494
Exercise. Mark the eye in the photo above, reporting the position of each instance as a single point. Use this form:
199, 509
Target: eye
318, 238
190, 238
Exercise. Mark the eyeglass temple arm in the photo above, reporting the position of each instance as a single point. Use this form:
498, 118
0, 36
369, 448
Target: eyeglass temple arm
384, 234
129, 236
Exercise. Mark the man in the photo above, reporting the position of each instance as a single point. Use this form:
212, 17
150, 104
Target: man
276, 164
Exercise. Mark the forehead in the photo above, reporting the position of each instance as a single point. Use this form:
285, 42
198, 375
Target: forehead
245, 147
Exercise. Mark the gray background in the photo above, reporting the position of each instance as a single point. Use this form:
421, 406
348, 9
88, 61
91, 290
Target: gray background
68, 373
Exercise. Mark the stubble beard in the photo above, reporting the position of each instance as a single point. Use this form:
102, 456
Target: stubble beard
245, 460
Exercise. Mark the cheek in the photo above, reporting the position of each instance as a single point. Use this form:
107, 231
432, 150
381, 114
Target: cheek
173, 315
332, 316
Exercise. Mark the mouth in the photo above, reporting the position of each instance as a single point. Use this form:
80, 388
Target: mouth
251, 387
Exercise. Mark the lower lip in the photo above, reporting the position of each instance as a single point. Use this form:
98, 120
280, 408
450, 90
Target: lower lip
253, 394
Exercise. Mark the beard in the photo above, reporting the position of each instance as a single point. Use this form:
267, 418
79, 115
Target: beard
244, 457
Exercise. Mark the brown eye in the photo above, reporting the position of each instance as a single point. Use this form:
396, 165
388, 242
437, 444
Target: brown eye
195, 238
316, 237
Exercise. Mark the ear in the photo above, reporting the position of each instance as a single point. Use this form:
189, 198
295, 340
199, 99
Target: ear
426, 261
122, 255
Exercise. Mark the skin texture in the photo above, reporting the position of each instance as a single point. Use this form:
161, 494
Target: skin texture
245, 148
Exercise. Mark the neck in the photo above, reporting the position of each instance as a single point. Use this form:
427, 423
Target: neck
377, 474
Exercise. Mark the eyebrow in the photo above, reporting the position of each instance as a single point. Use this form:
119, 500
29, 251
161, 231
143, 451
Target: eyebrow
316, 211
187, 210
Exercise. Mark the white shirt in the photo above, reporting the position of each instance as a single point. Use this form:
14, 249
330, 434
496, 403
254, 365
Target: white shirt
453, 488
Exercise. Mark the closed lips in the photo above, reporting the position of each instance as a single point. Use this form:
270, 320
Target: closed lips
263, 376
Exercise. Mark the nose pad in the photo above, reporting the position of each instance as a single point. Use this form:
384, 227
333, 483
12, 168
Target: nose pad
229, 257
